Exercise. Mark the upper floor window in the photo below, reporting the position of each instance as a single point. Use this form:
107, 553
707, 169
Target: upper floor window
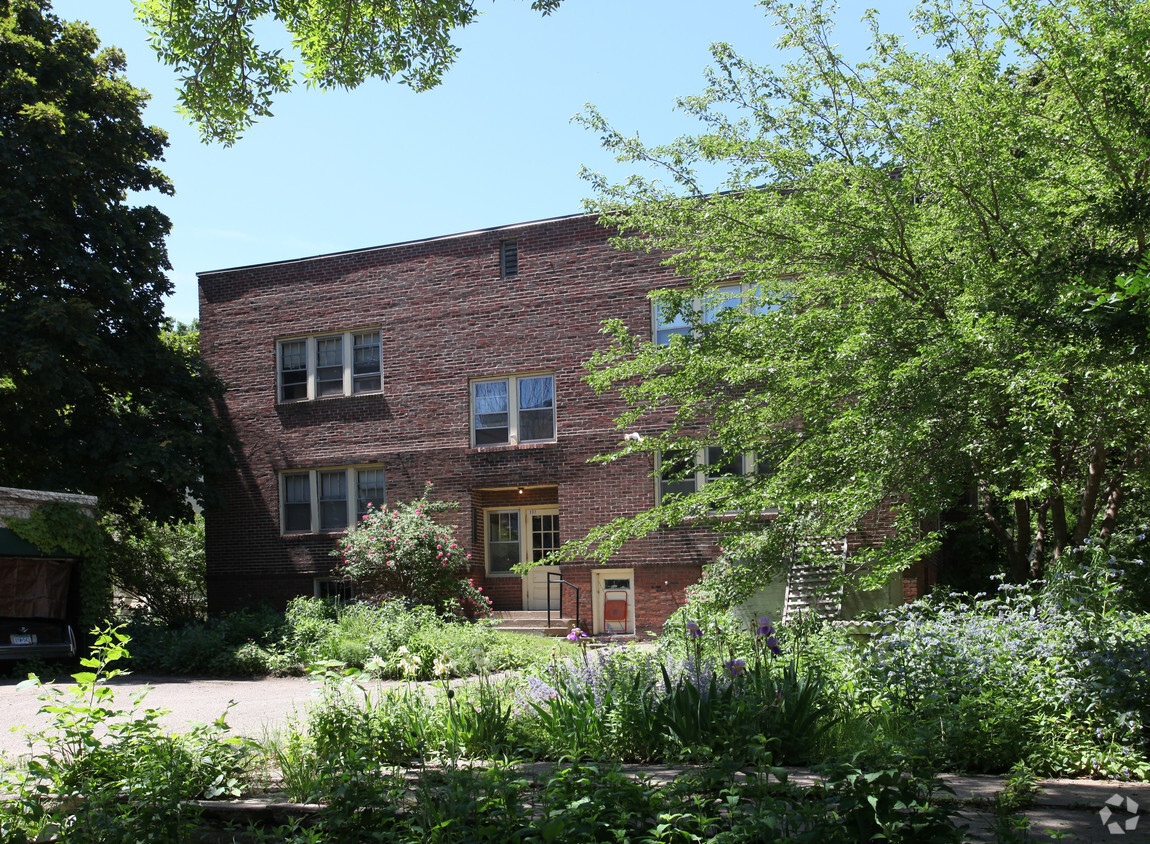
321, 499
667, 324
682, 472
513, 409
340, 364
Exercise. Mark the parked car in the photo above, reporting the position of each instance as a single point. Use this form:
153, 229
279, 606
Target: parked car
24, 638
34, 619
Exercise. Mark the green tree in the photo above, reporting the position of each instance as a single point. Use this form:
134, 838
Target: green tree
919, 234
229, 79
91, 398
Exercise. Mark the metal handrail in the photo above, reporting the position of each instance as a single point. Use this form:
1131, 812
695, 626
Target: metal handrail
562, 583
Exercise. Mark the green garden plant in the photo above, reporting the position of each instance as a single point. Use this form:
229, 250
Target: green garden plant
102, 773
402, 552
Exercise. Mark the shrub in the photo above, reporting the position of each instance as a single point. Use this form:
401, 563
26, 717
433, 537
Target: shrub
983, 684
402, 552
161, 567
244, 643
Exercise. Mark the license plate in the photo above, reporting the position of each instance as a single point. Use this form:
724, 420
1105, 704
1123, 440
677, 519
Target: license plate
23, 638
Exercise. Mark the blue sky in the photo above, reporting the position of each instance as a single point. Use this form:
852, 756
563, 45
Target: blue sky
493, 145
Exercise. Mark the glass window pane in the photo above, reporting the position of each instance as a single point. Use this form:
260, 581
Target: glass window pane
537, 408
332, 500
728, 297
676, 473
370, 489
293, 370
667, 326
297, 502
502, 540
366, 372
544, 535
329, 366
491, 413
720, 464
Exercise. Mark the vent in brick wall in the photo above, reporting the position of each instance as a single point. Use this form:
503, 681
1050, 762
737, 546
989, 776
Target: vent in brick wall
809, 586
509, 258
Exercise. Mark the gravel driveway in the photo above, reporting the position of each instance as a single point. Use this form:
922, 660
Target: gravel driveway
260, 705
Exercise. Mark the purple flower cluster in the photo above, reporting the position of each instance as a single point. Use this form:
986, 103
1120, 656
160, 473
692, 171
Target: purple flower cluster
766, 632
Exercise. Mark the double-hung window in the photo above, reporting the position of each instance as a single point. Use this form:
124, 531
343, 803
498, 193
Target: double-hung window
682, 472
370, 490
321, 500
666, 323
513, 409
341, 364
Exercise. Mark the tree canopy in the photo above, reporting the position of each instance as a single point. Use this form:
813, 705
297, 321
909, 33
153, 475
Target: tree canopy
932, 244
229, 79
91, 397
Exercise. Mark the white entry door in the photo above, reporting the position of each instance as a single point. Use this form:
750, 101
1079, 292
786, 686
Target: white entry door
543, 538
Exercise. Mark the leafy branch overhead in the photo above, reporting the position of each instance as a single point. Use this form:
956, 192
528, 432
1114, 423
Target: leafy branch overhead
229, 79
941, 250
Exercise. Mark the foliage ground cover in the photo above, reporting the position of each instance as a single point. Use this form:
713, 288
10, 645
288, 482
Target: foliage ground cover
312, 631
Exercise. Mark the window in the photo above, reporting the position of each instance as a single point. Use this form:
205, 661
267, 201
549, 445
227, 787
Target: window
320, 500
370, 491
503, 550
683, 472
512, 410
336, 590
341, 364
297, 502
666, 325
677, 470
365, 371
333, 500
509, 258
520, 535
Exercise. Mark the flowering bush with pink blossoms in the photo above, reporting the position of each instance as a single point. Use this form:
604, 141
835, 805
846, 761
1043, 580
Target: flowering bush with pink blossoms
403, 552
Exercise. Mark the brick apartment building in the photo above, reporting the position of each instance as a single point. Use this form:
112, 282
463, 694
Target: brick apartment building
456, 360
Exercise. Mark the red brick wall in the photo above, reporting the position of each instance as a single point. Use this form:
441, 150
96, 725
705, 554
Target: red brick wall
447, 317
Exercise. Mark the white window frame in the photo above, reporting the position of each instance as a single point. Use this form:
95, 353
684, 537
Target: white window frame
734, 296
700, 475
351, 488
513, 409
525, 539
350, 379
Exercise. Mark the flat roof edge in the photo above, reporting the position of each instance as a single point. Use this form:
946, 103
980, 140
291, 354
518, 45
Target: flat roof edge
363, 250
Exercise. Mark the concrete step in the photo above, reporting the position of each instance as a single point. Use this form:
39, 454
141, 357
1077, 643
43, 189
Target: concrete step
532, 623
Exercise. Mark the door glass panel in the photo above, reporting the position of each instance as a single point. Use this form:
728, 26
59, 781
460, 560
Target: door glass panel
620, 583
544, 535
502, 540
